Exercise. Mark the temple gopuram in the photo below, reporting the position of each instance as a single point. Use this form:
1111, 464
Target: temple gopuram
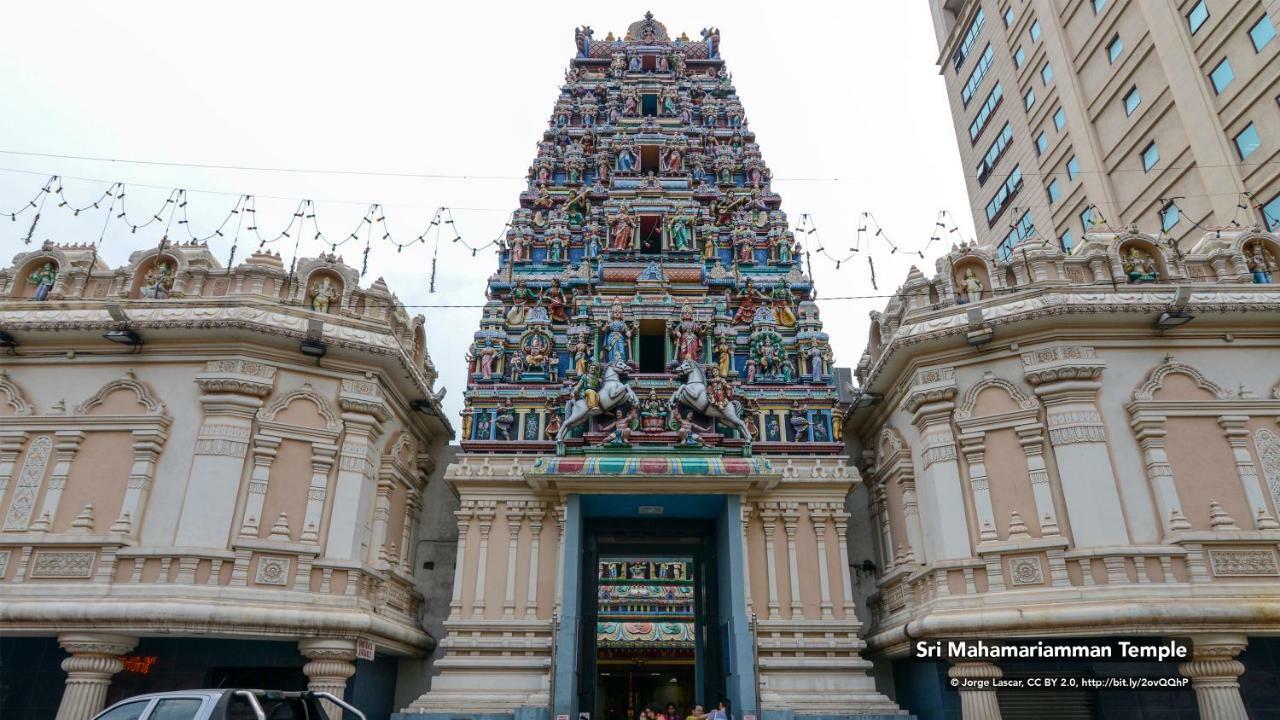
652, 492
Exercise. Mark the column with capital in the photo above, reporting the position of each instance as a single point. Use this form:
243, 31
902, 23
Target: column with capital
818, 515
331, 661
484, 513
536, 511
463, 516
790, 518
976, 704
930, 401
1215, 676
354, 488
768, 521
1067, 379
94, 659
515, 518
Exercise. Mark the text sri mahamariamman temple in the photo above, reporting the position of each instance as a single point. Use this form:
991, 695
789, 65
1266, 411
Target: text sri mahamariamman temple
650, 481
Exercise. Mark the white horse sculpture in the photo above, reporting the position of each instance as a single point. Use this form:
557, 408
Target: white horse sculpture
693, 394
613, 393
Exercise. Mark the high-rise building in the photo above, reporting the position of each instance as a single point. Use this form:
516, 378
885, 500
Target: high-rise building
1075, 114
652, 492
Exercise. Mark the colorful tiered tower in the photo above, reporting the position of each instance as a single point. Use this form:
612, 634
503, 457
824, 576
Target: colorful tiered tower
651, 374
650, 252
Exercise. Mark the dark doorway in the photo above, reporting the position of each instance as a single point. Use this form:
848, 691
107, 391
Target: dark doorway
650, 234
649, 105
650, 626
648, 159
653, 346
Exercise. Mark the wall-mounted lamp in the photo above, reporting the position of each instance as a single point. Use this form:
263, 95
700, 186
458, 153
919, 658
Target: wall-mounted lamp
313, 348
1170, 319
979, 333
124, 337
7, 341
423, 406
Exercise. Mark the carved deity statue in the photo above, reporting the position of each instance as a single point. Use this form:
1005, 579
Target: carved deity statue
724, 355
159, 282
1139, 267
747, 298
687, 335
43, 279
556, 301
521, 296
623, 228
1261, 262
617, 336
322, 294
680, 233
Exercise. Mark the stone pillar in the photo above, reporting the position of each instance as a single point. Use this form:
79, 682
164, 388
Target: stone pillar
1215, 676
768, 520
514, 515
1149, 429
232, 392
354, 488
790, 516
560, 509
147, 446
264, 454
841, 519
382, 515
66, 445
463, 516
89, 669
11, 442
881, 513
1067, 380
1031, 437
536, 512
818, 514
322, 455
1234, 428
974, 447
746, 557
930, 402
484, 513
330, 662
977, 704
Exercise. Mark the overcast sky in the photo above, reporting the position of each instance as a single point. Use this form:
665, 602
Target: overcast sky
846, 90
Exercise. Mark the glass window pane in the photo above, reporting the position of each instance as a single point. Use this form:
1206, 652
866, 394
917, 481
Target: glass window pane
1073, 168
1262, 33
128, 711
1059, 119
1271, 212
1046, 73
1247, 141
1098, 5
1035, 31
176, 709
1054, 192
1132, 101
1114, 48
1086, 219
1019, 57
1197, 16
1150, 156
1222, 76
1008, 17
1030, 99
1168, 216
1066, 241
1042, 144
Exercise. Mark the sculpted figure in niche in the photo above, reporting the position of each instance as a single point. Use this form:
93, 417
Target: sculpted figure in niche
1139, 267
680, 233
617, 339
687, 334
623, 228
159, 281
972, 287
43, 279
322, 294
1261, 262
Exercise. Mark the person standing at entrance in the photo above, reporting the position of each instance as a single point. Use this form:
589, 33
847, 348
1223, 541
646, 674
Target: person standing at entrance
721, 712
697, 713
671, 713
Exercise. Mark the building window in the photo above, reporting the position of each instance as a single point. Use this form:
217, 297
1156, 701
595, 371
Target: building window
1008, 17
1086, 219
1222, 76
1114, 48
1150, 156
1262, 33
1197, 16
975, 77
1054, 191
1019, 57
1073, 168
1247, 141
1022, 230
1035, 31
984, 114
1168, 216
994, 153
1042, 143
1271, 213
1012, 185
1098, 5
1066, 241
970, 37
1046, 73
1059, 119
1030, 98
1132, 100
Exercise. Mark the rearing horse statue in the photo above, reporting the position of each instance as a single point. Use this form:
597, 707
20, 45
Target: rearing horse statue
693, 394
613, 393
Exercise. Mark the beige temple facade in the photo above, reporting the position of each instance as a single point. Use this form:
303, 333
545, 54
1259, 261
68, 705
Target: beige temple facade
1078, 446
208, 476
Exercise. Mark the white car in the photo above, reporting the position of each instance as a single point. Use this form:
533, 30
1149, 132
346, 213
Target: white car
227, 704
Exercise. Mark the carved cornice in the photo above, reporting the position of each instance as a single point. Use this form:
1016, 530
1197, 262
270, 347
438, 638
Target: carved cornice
1058, 363
930, 385
238, 377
